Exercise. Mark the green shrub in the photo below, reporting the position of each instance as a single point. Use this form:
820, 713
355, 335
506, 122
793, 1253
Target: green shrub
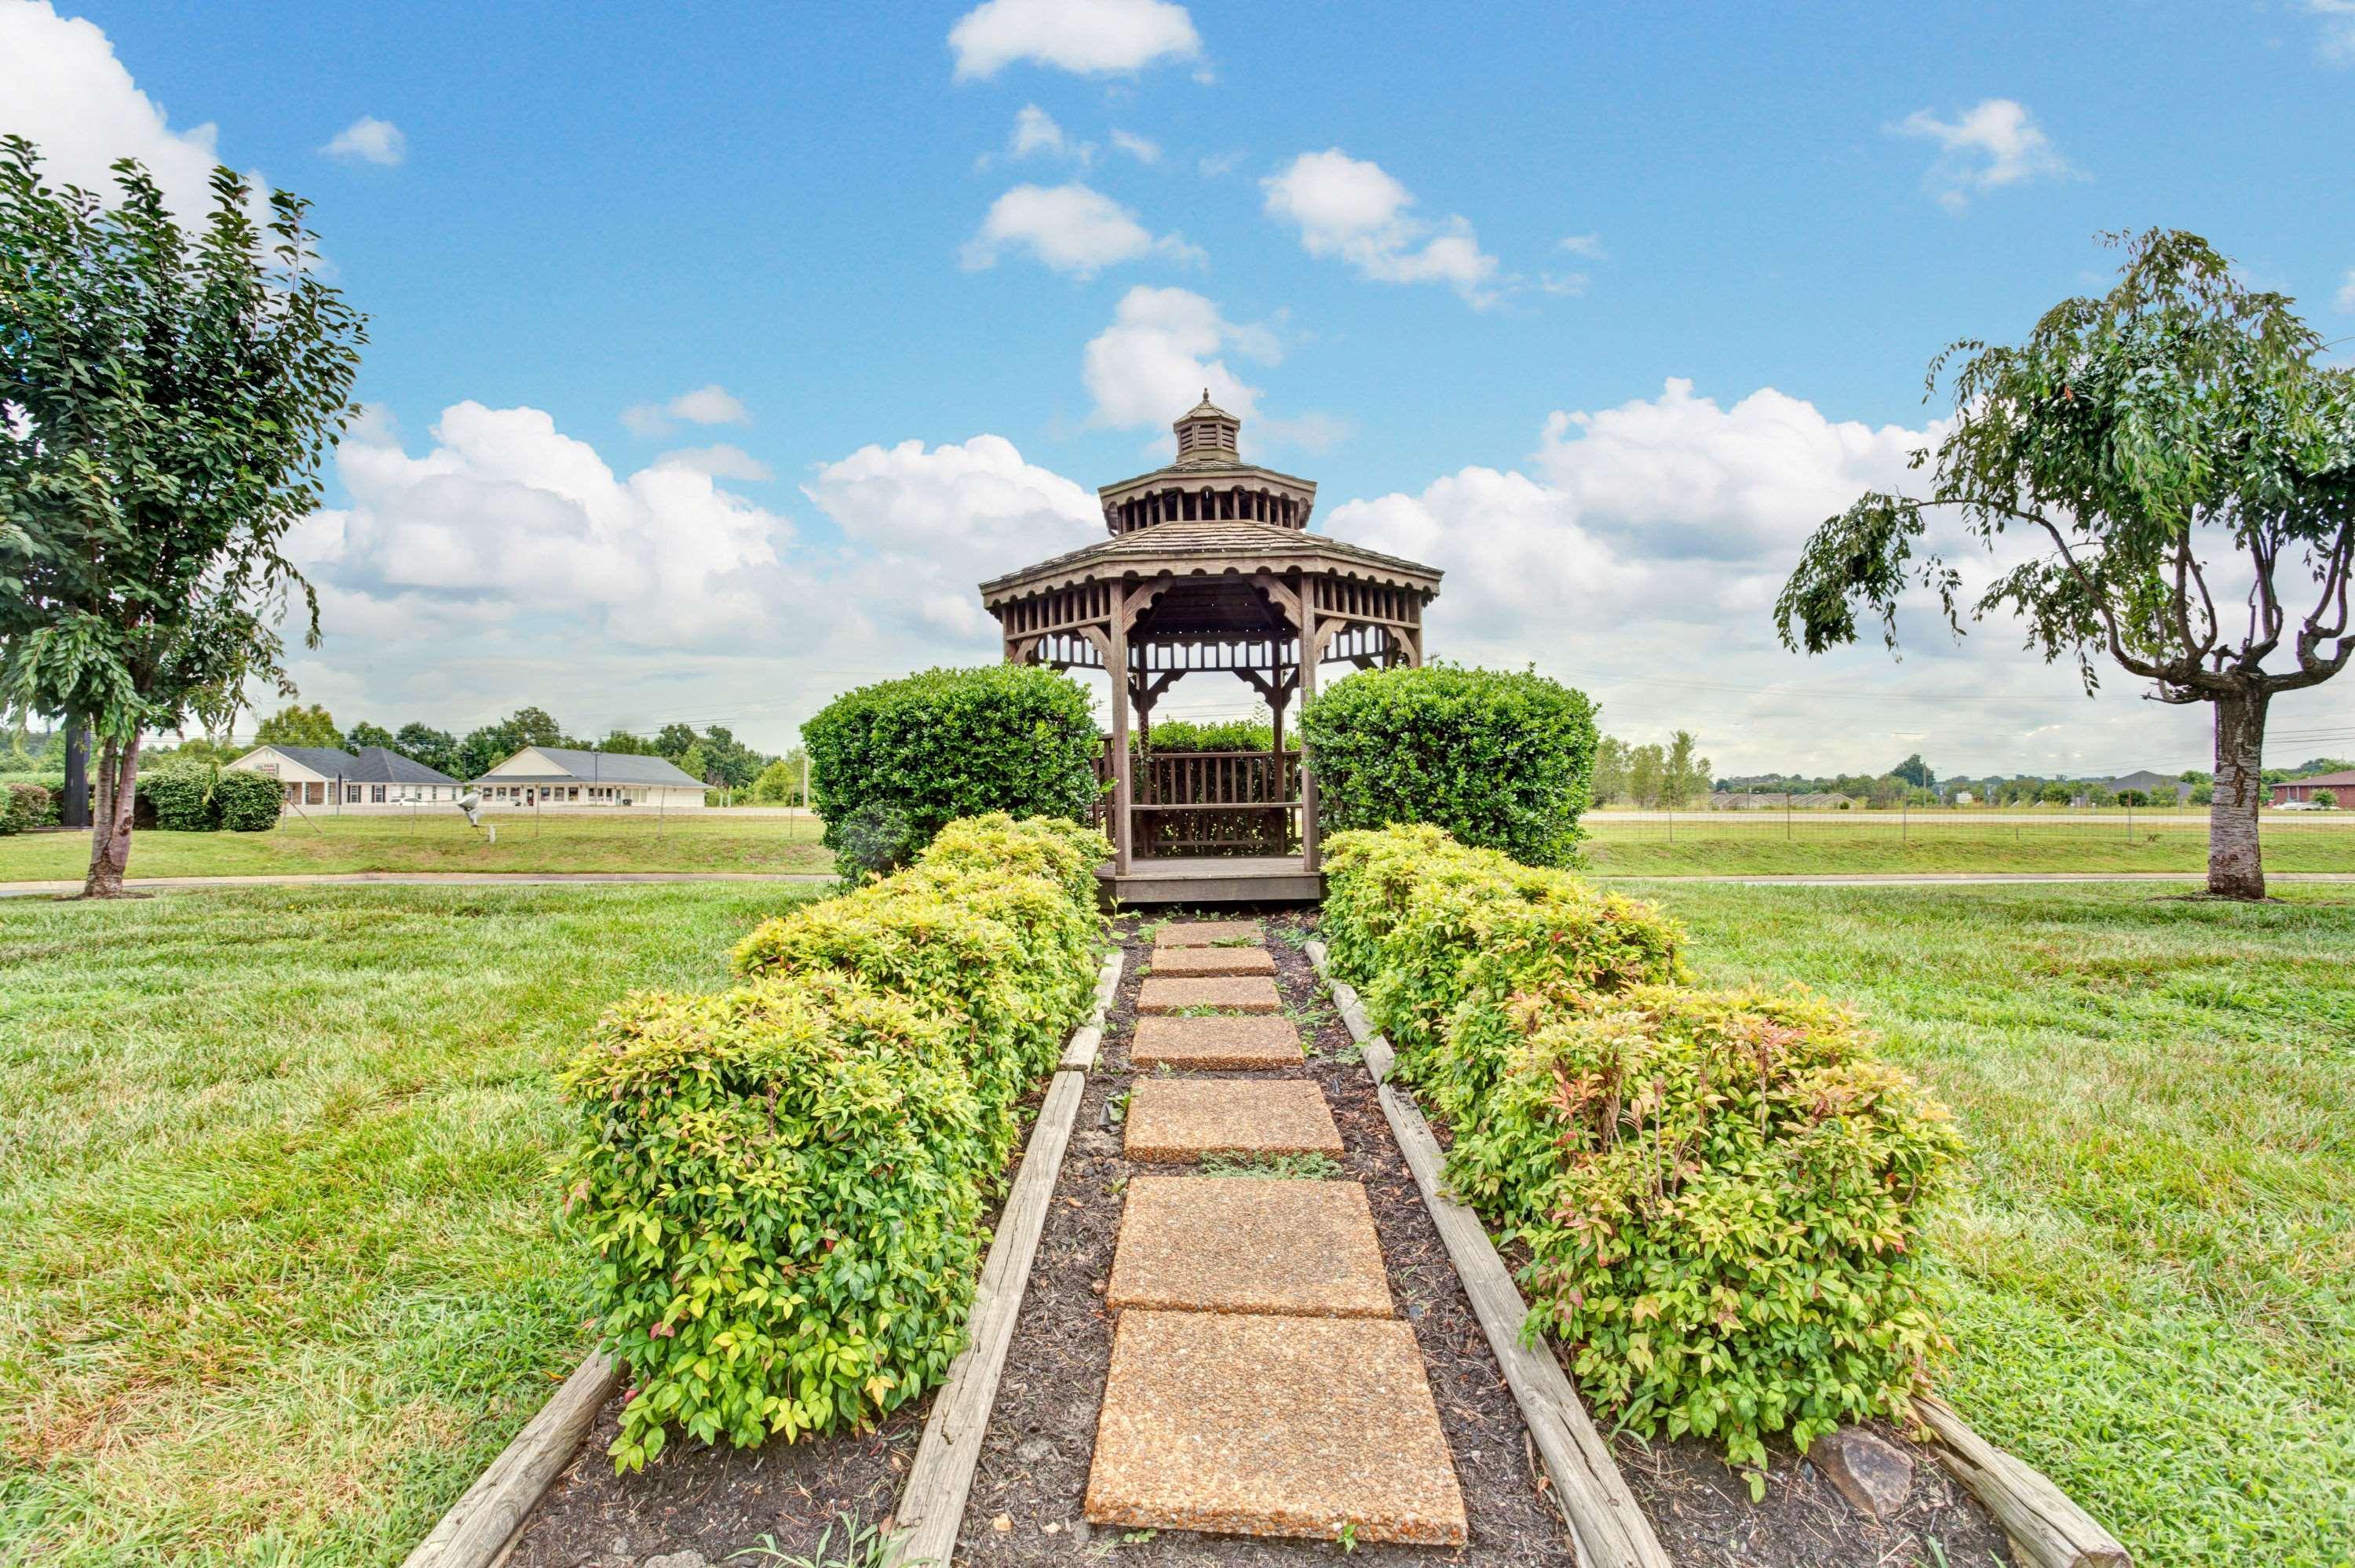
1064, 852
783, 1184
25, 806
1445, 943
247, 802
1720, 1193
786, 1182
1499, 758
891, 764
181, 800
1216, 735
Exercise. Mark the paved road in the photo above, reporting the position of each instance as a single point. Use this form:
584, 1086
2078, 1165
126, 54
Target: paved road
417, 879
593, 878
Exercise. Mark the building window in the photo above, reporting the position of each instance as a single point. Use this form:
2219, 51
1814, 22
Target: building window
573, 794
315, 794
351, 794
376, 794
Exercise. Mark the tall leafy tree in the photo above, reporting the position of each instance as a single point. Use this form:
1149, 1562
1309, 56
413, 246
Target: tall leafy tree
366, 734
2184, 469
1916, 772
437, 748
295, 725
167, 395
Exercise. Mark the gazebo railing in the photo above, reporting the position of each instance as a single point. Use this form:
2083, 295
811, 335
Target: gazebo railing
1210, 802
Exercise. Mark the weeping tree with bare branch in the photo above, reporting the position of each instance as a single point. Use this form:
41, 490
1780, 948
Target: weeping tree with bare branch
167, 395
2183, 467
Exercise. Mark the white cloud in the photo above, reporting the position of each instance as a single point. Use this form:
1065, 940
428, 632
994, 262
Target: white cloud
369, 139
711, 405
2336, 43
1034, 130
2346, 300
1998, 142
1352, 207
1093, 37
1143, 149
1163, 348
926, 527
62, 87
721, 461
1072, 228
505, 515
1587, 245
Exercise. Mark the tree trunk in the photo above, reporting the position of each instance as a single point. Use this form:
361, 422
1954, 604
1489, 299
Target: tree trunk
110, 839
2236, 867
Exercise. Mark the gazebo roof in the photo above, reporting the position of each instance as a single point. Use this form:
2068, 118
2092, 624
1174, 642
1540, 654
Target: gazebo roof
1230, 546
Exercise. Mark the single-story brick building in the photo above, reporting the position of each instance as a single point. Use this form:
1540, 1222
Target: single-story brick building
2340, 785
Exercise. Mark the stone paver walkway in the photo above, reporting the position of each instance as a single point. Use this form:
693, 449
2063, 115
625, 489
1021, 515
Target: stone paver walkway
1219, 1041
1260, 1382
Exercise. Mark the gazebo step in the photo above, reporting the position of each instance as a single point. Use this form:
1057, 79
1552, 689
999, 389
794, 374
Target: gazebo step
1237, 879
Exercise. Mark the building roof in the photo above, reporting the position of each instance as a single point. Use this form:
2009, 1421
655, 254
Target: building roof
2342, 780
1211, 547
2144, 778
599, 767
378, 765
326, 760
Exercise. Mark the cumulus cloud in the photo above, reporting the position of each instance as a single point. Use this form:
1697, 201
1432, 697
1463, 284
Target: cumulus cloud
1353, 208
1093, 37
711, 405
1995, 143
1072, 228
62, 87
926, 525
505, 514
1034, 130
2335, 42
1143, 149
369, 139
721, 461
1163, 348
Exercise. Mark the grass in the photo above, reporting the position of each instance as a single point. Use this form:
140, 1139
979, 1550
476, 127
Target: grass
1274, 1167
282, 1268
1880, 843
441, 841
2154, 1256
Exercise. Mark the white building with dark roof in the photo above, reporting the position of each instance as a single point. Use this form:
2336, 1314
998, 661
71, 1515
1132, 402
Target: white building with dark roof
371, 778
561, 776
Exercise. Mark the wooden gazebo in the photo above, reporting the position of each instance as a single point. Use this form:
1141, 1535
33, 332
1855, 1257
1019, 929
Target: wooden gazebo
1210, 567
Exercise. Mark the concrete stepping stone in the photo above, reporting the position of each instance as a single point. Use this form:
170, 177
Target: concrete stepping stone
1216, 1041
1172, 1120
1236, 993
1178, 962
1217, 1421
1246, 1244
1205, 933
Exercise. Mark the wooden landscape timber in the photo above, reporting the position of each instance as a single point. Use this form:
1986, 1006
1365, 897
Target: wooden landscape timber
482, 1524
2047, 1530
1609, 1528
933, 1502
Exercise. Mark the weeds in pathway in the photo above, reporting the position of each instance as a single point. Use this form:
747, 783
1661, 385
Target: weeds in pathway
1275, 1167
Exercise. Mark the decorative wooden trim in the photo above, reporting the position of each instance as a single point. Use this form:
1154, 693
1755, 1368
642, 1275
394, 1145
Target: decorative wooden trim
932, 1505
1610, 1529
484, 1523
2047, 1530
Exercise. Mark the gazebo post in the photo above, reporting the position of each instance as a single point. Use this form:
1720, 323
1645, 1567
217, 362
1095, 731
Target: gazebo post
1310, 859
1123, 770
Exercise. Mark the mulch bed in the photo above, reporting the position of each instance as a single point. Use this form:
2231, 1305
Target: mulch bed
1028, 1491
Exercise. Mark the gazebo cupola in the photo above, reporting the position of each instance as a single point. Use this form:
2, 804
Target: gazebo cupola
1210, 569
1209, 482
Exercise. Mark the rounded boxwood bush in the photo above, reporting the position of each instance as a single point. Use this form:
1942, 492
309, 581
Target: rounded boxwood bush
247, 802
893, 764
181, 799
1499, 758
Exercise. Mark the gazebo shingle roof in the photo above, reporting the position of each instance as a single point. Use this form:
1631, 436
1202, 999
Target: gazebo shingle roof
1228, 545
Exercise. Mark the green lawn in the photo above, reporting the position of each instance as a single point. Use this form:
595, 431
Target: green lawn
1877, 843
2155, 1256
281, 1271
441, 841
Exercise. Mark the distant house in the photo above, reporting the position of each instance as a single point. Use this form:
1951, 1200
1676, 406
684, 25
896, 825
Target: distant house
1776, 801
2302, 790
339, 780
2158, 788
559, 775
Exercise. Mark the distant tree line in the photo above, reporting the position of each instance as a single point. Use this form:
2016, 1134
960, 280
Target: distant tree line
1650, 775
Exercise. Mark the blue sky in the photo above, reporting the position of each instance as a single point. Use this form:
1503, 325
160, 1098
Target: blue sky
1599, 309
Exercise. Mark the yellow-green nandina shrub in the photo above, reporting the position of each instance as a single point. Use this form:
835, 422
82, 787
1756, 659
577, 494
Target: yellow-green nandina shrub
1066, 852
1442, 938
1720, 1193
783, 1184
